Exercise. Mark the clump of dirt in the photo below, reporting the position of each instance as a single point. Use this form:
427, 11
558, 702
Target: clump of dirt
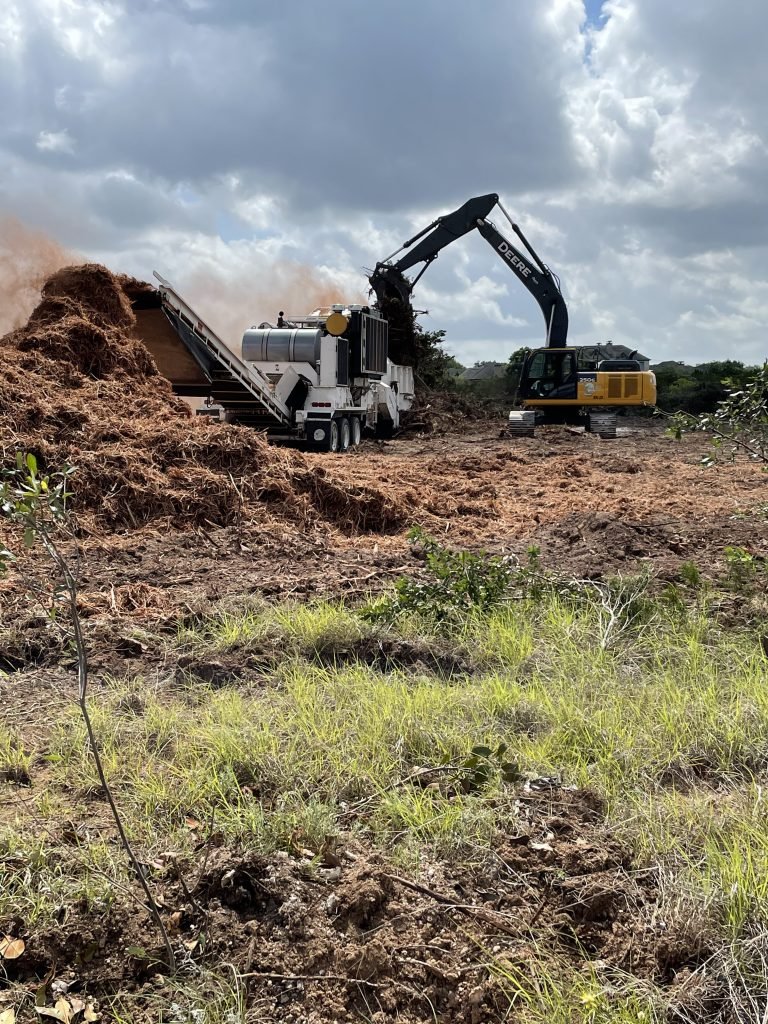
328, 934
387, 654
79, 389
600, 542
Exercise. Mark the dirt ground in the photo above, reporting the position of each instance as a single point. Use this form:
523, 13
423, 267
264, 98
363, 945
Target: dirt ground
592, 507
173, 511
354, 937
342, 935
177, 516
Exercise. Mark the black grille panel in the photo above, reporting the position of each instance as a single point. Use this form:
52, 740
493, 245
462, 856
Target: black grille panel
342, 362
614, 387
375, 339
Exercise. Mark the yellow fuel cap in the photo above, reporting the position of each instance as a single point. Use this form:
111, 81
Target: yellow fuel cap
336, 324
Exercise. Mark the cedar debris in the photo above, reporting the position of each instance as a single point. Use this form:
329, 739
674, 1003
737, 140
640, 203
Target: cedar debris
79, 389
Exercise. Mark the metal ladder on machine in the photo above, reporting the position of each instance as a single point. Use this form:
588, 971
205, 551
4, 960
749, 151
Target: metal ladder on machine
239, 384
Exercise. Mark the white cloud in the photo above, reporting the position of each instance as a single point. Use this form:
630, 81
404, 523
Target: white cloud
633, 155
11, 29
55, 142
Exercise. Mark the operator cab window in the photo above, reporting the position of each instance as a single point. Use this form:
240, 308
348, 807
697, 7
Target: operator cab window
550, 370
567, 366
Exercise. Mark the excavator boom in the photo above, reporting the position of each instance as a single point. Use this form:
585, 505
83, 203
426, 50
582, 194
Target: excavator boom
551, 380
388, 280
446, 230
539, 281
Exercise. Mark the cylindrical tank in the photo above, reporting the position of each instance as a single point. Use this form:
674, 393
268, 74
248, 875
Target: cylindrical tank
282, 345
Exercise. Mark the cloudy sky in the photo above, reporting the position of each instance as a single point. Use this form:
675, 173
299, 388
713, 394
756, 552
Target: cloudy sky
261, 154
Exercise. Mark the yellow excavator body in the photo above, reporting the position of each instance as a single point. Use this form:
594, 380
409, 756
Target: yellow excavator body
604, 390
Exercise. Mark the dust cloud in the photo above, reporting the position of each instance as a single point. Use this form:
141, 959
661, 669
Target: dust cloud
231, 304
228, 300
27, 259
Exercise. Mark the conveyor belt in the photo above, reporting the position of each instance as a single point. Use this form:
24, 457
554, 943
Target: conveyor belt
243, 392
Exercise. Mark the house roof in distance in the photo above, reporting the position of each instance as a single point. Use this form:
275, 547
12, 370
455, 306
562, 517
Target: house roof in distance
485, 371
611, 351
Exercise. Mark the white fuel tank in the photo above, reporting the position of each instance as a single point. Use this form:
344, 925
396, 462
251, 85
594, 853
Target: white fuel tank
282, 345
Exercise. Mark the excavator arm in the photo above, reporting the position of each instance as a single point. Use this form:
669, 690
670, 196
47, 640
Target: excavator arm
388, 280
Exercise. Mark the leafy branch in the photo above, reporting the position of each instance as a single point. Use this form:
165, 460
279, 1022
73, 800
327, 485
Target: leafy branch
38, 504
738, 424
459, 583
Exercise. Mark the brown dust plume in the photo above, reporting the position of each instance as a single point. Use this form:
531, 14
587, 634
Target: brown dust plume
27, 260
232, 303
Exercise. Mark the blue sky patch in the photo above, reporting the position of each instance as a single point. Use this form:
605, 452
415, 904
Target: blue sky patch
595, 16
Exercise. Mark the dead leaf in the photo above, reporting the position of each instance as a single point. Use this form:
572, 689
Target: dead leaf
191, 823
541, 846
77, 1005
61, 1011
8, 1016
11, 949
90, 1014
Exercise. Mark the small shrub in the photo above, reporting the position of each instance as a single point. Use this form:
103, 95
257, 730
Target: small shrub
741, 567
457, 582
485, 765
690, 575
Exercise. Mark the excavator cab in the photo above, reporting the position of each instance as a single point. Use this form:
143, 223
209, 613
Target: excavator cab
549, 374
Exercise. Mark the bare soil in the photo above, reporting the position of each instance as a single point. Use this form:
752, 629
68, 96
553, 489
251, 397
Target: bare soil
592, 507
339, 933
177, 515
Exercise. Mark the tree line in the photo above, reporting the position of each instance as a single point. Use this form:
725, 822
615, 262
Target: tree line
680, 388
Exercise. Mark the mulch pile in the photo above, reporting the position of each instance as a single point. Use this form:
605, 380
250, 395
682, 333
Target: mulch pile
443, 412
78, 389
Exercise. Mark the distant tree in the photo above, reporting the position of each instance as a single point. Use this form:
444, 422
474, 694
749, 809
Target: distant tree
453, 366
698, 389
514, 369
434, 367
739, 422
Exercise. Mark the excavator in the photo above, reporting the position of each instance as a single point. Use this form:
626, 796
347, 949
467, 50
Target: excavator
551, 382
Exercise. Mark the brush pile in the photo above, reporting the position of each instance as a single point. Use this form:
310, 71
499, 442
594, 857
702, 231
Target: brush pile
79, 390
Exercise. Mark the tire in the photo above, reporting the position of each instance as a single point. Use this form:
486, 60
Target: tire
333, 436
344, 435
330, 442
357, 431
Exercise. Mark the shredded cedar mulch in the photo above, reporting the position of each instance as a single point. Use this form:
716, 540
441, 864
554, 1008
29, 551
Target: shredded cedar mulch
79, 389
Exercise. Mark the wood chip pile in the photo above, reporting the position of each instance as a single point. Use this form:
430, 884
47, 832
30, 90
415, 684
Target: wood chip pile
78, 389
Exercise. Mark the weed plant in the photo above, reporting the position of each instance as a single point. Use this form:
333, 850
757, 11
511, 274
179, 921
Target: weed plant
628, 688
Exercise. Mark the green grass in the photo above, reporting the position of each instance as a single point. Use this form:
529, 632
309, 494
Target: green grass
543, 992
14, 759
676, 708
293, 629
39, 877
660, 712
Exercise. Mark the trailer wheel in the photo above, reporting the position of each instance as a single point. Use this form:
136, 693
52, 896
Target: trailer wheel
344, 435
330, 440
357, 431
